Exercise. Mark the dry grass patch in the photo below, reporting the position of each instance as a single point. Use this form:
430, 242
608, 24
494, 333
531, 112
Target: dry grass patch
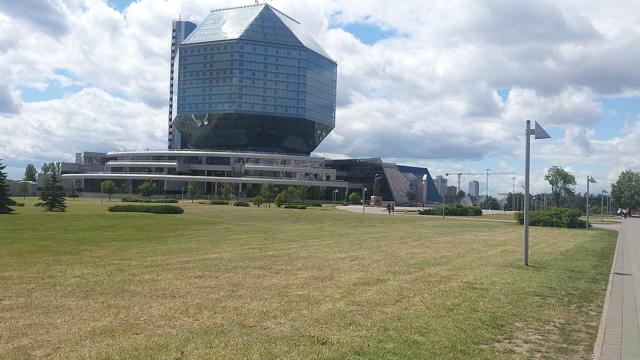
225, 282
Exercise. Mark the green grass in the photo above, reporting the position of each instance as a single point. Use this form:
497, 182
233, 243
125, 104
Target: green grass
227, 282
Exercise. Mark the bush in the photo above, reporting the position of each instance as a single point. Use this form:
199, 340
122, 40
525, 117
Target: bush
554, 217
154, 209
217, 202
258, 200
281, 198
292, 206
354, 198
306, 204
453, 210
19, 204
241, 203
148, 201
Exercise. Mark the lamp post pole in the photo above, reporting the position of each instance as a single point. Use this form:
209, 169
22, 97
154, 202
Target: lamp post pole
527, 159
602, 204
364, 192
587, 225
513, 194
539, 133
590, 179
486, 191
443, 201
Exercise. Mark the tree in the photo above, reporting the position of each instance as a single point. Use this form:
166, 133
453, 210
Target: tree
30, 173
267, 195
5, 201
492, 203
52, 196
193, 190
148, 188
108, 187
354, 198
301, 192
281, 198
258, 200
227, 191
562, 184
625, 192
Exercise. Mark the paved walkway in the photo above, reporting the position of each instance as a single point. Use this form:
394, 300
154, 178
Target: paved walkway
619, 333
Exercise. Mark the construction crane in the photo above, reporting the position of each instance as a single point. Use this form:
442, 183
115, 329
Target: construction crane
460, 175
486, 193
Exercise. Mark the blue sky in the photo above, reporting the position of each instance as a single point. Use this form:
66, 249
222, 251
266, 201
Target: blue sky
438, 85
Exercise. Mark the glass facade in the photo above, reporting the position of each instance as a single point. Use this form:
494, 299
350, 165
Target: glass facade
244, 74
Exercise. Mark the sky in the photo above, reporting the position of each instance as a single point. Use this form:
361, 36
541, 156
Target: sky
442, 84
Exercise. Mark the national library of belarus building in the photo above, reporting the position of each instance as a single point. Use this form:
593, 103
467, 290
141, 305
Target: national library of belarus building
251, 97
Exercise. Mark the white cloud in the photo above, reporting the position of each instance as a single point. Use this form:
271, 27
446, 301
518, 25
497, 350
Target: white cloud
89, 120
427, 94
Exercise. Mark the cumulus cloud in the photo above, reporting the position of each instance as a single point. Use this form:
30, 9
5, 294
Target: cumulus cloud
88, 120
427, 94
49, 16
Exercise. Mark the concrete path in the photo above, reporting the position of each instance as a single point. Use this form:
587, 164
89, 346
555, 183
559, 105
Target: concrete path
619, 333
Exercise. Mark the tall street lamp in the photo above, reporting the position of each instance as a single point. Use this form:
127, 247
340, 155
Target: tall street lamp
590, 180
539, 133
364, 192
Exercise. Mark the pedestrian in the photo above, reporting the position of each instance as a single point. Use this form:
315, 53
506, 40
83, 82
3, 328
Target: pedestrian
389, 208
393, 209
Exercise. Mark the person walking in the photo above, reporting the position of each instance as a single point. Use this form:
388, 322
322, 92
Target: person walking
393, 209
389, 208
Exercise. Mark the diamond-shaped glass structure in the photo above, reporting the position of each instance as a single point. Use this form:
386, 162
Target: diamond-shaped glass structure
251, 79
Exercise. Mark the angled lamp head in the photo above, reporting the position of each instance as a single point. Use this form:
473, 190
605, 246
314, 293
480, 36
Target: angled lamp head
540, 133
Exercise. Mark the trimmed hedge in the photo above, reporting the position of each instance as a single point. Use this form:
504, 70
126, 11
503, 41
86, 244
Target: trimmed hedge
293, 206
154, 209
453, 210
241, 203
310, 204
148, 201
19, 204
217, 202
554, 217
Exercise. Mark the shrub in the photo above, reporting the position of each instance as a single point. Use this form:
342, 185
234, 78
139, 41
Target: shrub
241, 203
354, 198
281, 198
258, 200
148, 201
154, 209
554, 217
217, 202
292, 206
306, 204
453, 210
19, 204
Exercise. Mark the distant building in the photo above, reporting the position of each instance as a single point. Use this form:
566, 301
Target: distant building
452, 191
441, 184
474, 188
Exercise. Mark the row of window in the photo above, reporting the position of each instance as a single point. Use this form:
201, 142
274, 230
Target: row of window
216, 107
192, 59
248, 90
198, 49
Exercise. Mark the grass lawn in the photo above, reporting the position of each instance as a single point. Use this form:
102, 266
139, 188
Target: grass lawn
226, 282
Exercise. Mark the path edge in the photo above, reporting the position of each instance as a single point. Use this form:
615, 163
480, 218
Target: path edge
597, 348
